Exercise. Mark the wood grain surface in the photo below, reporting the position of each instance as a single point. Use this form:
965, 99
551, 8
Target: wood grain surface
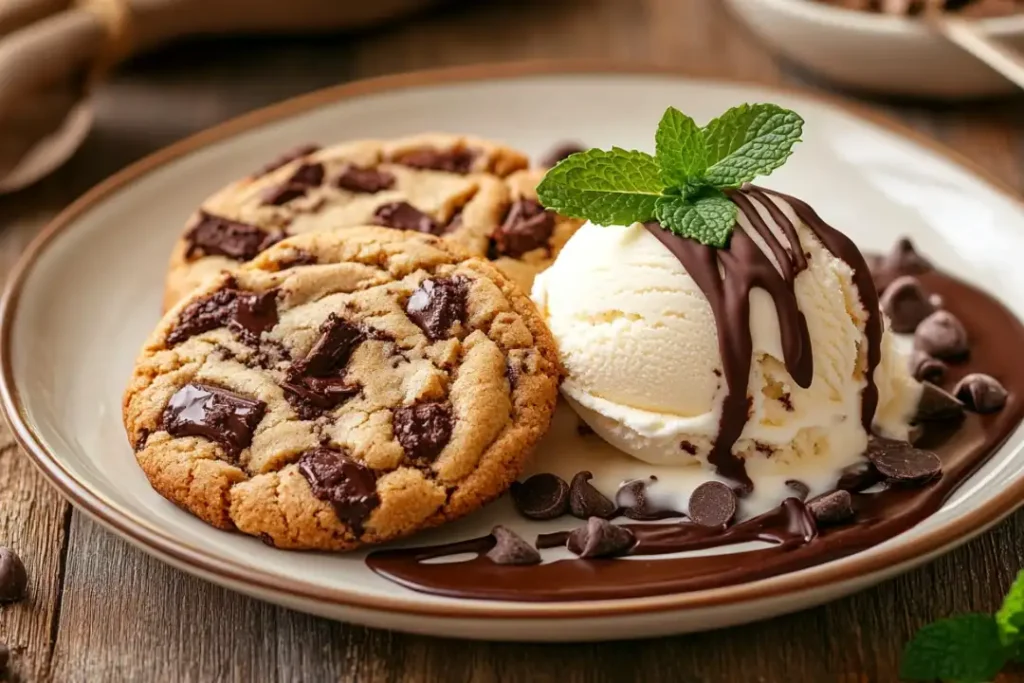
100, 610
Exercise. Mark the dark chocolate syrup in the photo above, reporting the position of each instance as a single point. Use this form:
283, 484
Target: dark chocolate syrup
997, 337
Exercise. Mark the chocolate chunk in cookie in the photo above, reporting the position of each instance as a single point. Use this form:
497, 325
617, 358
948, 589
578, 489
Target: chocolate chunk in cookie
202, 315
253, 315
458, 160
526, 227
216, 236
347, 484
365, 180
338, 339
404, 216
213, 413
287, 158
308, 175
423, 429
437, 305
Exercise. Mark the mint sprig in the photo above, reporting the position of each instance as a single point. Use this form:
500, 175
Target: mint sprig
971, 648
682, 185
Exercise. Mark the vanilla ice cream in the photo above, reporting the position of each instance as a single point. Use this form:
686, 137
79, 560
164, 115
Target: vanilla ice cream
639, 340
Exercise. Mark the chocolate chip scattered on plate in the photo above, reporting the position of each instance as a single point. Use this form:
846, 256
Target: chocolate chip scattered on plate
511, 549
600, 538
926, 368
832, 508
906, 304
712, 504
936, 404
899, 461
942, 335
585, 501
542, 496
981, 393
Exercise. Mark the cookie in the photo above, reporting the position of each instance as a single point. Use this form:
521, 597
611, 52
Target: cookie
344, 388
446, 185
529, 239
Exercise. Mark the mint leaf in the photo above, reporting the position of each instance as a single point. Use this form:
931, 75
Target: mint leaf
708, 217
1010, 616
617, 187
966, 649
748, 141
680, 148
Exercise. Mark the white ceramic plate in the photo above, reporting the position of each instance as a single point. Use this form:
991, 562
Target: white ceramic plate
88, 292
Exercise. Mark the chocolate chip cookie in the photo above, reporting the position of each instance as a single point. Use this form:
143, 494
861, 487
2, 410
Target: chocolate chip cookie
446, 185
344, 388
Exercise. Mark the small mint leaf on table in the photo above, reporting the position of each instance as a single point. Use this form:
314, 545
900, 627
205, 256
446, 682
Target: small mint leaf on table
965, 649
680, 149
748, 141
616, 187
1010, 617
707, 217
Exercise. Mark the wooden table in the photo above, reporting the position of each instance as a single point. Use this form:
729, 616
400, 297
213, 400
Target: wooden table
100, 610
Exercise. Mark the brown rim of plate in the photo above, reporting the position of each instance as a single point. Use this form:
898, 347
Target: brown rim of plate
157, 541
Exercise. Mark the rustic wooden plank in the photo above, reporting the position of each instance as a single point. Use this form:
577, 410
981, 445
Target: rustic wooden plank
160, 624
33, 517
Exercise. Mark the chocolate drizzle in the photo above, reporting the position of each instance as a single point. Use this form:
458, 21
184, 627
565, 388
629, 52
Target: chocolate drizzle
727, 276
795, 540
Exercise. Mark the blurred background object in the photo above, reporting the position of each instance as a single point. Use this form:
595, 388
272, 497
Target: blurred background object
52, 52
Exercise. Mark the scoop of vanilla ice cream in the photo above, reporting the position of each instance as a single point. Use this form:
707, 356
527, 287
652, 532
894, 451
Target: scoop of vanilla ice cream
640, 346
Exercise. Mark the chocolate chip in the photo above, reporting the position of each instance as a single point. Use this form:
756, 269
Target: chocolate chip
712, 504
457, 160
365, 180
526, 227
347, 484
942, 335
858, 478
338, 340
542, 496
832, 508
298, 257
585, 501
688, 447
217, 236
311, 396
800, 489
280, 195
560, 152
423, 429
213, 413
436, 305
981, 393
937, 404
924, 367
253, 315
902, 260
204, 314
287, 158
899, 461
404, 216
600, 538
13, 577
511, 549
906, 304
308, 175
632, 499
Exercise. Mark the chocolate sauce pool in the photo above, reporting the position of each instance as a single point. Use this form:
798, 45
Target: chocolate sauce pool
997, 338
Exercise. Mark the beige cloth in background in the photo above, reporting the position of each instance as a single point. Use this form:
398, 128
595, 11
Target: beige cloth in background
51, 51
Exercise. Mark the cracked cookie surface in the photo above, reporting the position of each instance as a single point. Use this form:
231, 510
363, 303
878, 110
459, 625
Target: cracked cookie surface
344, 388
471, 192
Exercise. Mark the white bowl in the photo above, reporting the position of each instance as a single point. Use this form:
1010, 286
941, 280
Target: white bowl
876, 53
